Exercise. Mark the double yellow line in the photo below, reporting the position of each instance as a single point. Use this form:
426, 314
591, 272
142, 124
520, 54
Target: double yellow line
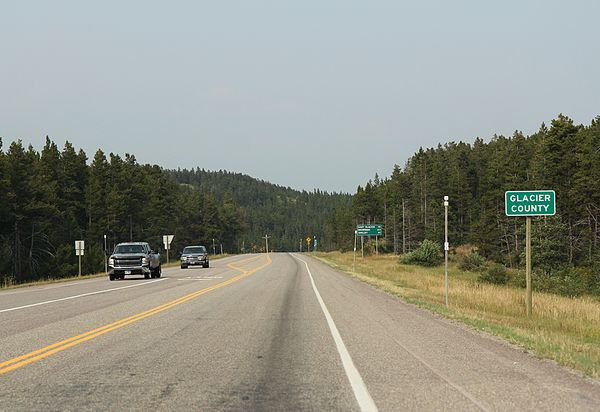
20, 361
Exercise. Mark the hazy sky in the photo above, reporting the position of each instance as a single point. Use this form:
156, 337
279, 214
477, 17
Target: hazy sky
305, 94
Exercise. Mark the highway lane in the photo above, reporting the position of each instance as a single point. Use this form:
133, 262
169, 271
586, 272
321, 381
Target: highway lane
36, 306
261, 340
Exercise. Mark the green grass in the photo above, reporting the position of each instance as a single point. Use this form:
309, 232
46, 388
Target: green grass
564, 329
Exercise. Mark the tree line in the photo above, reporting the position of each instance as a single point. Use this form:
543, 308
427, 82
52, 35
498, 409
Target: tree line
50, 198
564, 157
286, 215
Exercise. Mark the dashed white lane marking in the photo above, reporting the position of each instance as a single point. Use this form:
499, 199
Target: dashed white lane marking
80, 296
361, 393
199, 278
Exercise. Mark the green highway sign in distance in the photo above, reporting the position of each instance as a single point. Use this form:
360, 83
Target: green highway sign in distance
530, 203
369, 230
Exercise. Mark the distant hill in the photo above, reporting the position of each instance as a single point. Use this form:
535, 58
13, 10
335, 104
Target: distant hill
285, 214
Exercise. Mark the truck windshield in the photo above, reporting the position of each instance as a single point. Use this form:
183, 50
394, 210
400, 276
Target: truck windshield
194, 250
129, 249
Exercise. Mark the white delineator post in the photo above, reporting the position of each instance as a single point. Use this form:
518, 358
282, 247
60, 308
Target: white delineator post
354, 261
105, 256
446, 246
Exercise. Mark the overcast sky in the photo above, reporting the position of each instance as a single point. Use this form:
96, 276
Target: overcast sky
308, 94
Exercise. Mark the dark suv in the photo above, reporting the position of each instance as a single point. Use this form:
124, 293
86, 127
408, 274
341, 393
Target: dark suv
194, 255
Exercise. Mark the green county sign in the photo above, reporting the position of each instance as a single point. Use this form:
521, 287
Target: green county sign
530, 203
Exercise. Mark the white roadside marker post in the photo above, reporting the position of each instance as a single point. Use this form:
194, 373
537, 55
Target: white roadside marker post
446, 246
105, 256
354, 260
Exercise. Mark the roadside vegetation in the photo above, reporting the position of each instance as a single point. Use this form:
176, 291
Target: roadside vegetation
562, 156
561, 328
6, 284
52, 197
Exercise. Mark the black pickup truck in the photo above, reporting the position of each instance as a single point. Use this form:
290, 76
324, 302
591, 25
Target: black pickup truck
133, 258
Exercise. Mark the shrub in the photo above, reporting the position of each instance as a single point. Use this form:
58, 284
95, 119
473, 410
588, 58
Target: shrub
427, 254
496, 274
472, 262
566, 281
563, 280
382, 246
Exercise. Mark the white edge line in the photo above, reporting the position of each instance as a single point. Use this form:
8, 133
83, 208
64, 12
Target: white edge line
80, 296
361, 393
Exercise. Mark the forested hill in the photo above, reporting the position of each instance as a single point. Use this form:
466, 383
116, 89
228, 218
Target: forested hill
52, 197
564, 157
286, 215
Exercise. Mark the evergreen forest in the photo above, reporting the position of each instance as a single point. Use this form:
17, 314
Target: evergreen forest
564, 157
52, 197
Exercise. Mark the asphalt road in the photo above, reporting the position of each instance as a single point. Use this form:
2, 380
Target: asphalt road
258, 333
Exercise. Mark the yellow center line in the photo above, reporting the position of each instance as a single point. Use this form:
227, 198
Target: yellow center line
20, 361
235, 266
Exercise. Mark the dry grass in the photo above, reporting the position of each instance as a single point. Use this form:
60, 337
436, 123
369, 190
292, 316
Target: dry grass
564, 329
8, 284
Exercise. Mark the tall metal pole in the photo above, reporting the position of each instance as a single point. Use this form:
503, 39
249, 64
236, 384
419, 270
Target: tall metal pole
105, 256
354, 261
395, 234
79, 263
214, 253
528, 264
221, 248
446, 246
403, 230
376, 250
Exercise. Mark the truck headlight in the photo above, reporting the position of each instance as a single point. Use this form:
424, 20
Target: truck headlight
144, 261
111, 261
184, 258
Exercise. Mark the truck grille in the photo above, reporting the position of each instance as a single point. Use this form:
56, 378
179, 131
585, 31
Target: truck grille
128, 262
